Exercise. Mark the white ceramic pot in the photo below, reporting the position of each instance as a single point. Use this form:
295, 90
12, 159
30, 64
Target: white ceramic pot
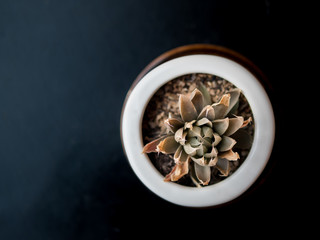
236, 184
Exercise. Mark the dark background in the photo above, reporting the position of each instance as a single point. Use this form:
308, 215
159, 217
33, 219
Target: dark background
65, 68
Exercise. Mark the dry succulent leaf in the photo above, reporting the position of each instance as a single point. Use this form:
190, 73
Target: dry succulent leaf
213, 161
173, 124
204, 121
203, 173
207, 112
194, 132
226, 144
194, 142
221, 108
217, 139
168, 145
207, 132
189, 125
202, 149
246, 122
243, 138
213, 153
206, 142
178, 171
201, 160
221, 125
229, 155
197, 100
194, 177
191, 151
177, 154
223, 166
180, 136
180, 155
187, 110
206, 95
234, 98
234, 125
152, 146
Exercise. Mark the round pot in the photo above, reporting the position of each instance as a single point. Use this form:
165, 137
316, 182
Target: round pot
213, 60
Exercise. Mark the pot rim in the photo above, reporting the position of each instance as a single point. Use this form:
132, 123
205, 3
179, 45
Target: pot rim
236, 184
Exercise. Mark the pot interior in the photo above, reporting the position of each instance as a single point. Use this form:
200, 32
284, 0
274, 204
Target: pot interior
165, 102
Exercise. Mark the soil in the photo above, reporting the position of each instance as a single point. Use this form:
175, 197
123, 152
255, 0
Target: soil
165, 101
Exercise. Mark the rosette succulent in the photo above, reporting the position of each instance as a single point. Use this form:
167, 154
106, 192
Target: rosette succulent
201, 137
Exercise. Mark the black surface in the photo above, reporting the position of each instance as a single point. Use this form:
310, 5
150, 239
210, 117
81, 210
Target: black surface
65, 67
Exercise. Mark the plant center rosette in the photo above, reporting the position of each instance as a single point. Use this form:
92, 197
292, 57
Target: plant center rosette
203, 136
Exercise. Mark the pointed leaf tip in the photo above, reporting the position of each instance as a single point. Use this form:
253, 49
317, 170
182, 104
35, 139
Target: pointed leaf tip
229, 155
226, 144
221, 108
223, 166
207, 112
168, 145
203, 173
234, 97
246, 122
152, 146
178, 171
187, 109
197, 100
221, 125
206, 95
173, 124
234, 125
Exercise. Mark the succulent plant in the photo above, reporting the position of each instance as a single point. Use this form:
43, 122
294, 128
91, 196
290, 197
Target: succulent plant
201, 137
